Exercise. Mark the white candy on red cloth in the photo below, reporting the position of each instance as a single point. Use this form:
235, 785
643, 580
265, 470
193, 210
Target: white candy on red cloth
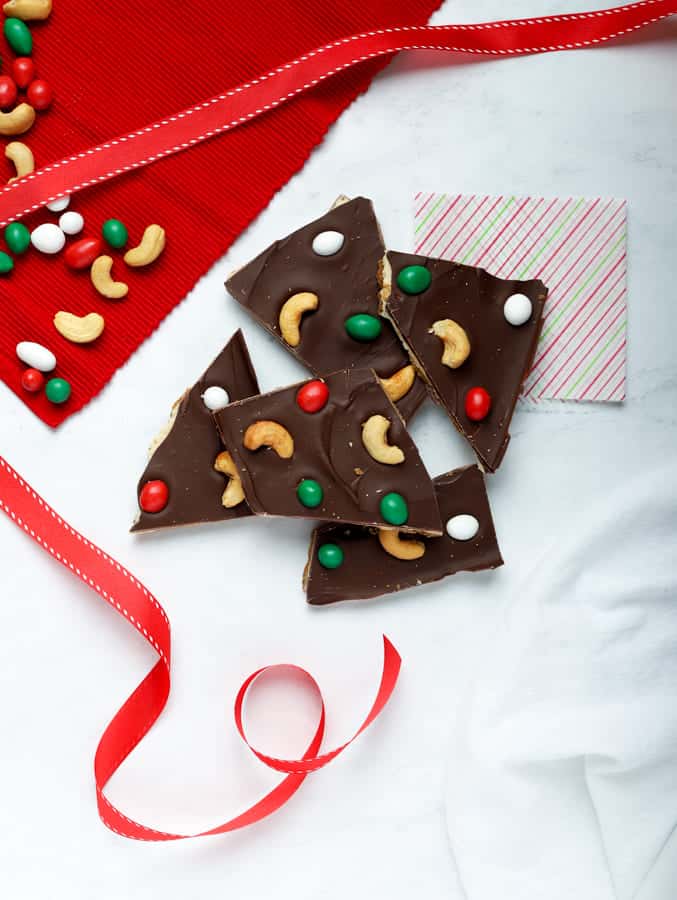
327, 243
59, 204
71, 222
462, 527
517, 309
215, 398
48, 238
36, 356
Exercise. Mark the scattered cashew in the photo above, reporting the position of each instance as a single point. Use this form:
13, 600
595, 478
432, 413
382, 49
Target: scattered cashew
233, 494
265, 433
392, 543
147, 251
28, 10
399, 383
374, 432
79, 329
291, 313
22, 157
102, 281
17, 120
455, 340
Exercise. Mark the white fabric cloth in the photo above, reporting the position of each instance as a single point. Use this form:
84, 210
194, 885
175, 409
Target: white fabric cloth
563, 773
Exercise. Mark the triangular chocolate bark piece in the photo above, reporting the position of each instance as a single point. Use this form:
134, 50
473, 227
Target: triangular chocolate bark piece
472, 336
317, 292
184, 456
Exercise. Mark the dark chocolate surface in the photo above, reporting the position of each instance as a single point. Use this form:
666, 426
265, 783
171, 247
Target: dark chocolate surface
185, 458
328, 448
345, 283
500, 354
368, 571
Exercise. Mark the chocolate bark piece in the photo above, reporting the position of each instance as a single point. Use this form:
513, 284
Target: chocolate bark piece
500, 354
367, 570
344, 283
183, 456
316, 464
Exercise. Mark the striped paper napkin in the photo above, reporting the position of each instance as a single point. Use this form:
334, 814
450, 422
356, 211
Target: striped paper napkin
577, 247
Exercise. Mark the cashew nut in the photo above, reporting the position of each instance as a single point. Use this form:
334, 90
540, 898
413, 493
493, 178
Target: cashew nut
28, 10
22, 157
265, 433
147, 251
291, 313
233, 494
374, 432
455, 340
102, 281
392, 543
79, 329
399, 383
17, 120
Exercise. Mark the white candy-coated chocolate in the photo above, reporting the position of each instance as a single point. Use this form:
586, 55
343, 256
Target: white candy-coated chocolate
35, 356
215, 398
48, 238
327, 243
59, 204
71, 222
517, 309
463, 527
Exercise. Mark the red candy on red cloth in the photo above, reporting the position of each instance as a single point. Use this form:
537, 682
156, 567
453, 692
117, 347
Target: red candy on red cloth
23, 70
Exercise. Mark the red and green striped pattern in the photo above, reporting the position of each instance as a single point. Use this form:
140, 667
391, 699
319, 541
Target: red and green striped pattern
574, 245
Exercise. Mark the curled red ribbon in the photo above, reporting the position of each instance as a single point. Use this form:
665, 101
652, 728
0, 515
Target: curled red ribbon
121, 590
247, 101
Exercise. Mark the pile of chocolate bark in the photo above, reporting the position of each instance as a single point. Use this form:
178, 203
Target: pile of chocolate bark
380, 332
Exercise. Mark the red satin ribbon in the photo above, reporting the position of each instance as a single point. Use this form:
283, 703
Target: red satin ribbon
121, 590
238, 106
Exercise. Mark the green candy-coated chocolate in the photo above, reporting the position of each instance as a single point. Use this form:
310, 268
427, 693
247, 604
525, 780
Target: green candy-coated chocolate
18, 37
17, 237
58, 390
394, 509
310, 493
6, 263
114, 233
414, 279
363, 327
330, 556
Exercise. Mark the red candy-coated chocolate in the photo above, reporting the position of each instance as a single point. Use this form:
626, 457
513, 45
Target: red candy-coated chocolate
23, 70
32, 380
39, 95
312, 396
8, 92
154, 496
82, 253
477, 404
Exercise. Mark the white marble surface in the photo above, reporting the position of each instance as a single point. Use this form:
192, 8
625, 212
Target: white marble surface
373, 823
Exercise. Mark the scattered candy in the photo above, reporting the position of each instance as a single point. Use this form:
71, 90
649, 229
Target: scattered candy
313, 396
71, 222
463, 527
114, 233
82, 253
18, 37
310, 493
32, 380
330, 556
6, 263
363, 327
154, 496
23, 70
39, 95
8, 92
477, 404
48, 238
394, 509
327, 243
215, 398
17, 237
58, 390
414, 279
36, 356
59, 204
517, 309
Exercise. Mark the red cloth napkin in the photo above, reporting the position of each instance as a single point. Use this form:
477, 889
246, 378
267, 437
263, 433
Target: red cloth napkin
118, 66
